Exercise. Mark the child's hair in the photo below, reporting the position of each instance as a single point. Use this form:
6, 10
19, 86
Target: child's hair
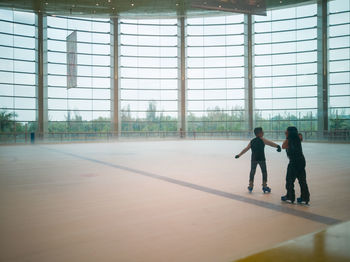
292, 132
257, 130
294, 141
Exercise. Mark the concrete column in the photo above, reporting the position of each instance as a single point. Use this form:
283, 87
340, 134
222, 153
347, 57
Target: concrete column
115, 90
41, 74
322, 67
182, 108
248, 70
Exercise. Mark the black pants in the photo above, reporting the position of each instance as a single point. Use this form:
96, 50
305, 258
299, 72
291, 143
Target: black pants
262, 165
297, 171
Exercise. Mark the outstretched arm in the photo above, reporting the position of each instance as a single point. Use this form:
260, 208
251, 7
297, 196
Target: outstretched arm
269, 143
243, 151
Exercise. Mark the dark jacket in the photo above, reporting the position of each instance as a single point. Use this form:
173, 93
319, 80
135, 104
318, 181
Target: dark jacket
257, 146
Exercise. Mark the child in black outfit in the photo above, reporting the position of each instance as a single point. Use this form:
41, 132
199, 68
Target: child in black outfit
296, 166
257, 145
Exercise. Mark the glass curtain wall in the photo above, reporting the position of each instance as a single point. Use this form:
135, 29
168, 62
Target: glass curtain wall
284, 71
18, 107
149, 75
215, 74
285, 68
339, 64
85, 105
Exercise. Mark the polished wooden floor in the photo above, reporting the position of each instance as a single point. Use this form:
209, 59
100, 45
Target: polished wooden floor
328, 245
158, 201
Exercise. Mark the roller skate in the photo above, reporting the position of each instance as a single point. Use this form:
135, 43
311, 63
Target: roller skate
286, 198
266, 189
301, 201
250, 187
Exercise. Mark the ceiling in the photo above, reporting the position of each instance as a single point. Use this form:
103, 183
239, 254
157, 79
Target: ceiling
127, 8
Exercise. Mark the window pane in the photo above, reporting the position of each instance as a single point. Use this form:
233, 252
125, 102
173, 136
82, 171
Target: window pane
215, 73
339, 63
149, 72
17, 77
285, 67
90, 99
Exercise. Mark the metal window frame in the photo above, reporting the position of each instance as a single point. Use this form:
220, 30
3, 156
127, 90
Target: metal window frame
322, 64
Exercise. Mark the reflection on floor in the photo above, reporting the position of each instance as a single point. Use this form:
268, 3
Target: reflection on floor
159, 201
331, 245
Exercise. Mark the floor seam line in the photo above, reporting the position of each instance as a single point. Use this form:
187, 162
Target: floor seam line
279, 208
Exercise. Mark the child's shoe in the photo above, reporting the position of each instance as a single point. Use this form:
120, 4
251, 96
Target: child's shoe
250, 189
300, 201
286, 198
266, 189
